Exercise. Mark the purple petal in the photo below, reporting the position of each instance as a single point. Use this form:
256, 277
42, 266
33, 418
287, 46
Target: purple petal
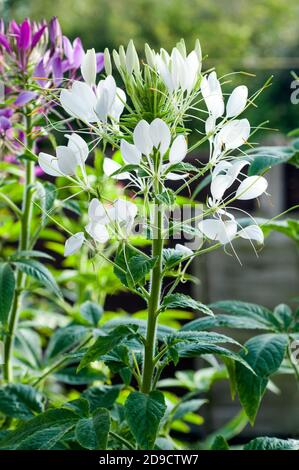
68, 48
55, 33
57, 71
40, 72
4, 42
25, 35
100, 61
2, 26
24, 97
5, 124
14, 28
7, 112
37, 36
78, 53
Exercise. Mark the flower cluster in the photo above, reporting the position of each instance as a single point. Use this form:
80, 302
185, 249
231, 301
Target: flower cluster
116, 220
153, 150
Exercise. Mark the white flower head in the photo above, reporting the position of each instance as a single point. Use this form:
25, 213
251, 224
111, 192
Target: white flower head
67, 159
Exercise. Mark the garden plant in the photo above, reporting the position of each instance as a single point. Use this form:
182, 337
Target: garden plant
115, 203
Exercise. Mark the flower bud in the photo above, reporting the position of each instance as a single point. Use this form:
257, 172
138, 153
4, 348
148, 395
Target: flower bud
107, 62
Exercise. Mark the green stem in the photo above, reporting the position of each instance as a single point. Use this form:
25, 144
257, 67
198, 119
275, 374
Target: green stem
24, 244
154, 300
294, 367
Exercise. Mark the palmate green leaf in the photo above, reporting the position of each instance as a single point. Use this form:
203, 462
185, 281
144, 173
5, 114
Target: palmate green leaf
272, 443
184, 301
265, 354
7, 289
102, 396
104, 344
20, 401
171, 257
144, 414
39, 272
121, 267
284, 316
42, 432
91, 312
162, 330
258, 313
92, 433
289, 227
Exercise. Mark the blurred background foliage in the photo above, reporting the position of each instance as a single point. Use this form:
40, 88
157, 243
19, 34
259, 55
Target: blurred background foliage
261, 37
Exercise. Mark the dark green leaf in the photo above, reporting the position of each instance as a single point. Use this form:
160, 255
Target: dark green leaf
20, 401
265, 355
41, 432
102, 396
92, 312
104, 344
184, 301
30, 254
144, 414
92, 433
39, 272
186, 407
139, 267
272, 443
7, 289
224, 321
65, 339
219, 444
260, 314
166, 197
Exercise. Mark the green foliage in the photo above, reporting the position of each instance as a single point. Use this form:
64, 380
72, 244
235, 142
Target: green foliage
265, 354
91, 312
144, 414
92, 433
272, 443
7, 288
184, 301
39, 272
20, 401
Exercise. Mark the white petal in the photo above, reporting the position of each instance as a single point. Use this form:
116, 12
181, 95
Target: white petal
73, 243
252, 232
89, 67
210, 124
219, 185
98, 232
142, 138
79, 102
78, 146
223, 231
49, 164
130, 153
251, 187
110, 86
124, 210
118, 105
97, 212
110, 167
102, 106
183, 249
160, 135
67, 160
176, 176
212, 94
237, 101
234, 133
178, 149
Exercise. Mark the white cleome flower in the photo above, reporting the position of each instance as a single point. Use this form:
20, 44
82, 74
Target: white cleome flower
148, 138
178, 70
93, 104
224, 227
116, 220
67, 159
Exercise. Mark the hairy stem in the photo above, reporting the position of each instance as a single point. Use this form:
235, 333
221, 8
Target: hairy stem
154, 301
24, 244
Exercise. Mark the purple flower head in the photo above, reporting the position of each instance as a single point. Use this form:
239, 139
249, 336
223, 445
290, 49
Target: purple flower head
6, 112
55, 33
